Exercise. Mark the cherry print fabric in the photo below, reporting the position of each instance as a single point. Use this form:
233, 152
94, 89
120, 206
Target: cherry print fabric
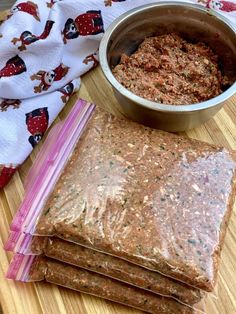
45, 46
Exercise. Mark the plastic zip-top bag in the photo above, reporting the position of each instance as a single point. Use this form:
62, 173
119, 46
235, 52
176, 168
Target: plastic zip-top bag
104, 264
52, 158
152, 198
33, 268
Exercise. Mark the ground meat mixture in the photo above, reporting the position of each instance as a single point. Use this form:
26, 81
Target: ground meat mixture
167, 69
116, 268
153, 198
88, 282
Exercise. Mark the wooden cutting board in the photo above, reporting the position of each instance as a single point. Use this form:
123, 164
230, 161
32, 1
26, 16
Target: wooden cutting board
6, 4
37, 298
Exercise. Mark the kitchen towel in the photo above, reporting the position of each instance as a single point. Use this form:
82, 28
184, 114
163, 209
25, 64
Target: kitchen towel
45, 46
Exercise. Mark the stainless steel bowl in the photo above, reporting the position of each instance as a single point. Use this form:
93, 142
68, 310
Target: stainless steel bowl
194, 22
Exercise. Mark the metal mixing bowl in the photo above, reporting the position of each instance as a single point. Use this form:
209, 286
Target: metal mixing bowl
194, 23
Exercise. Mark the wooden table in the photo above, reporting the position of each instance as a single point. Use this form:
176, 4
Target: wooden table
37, 298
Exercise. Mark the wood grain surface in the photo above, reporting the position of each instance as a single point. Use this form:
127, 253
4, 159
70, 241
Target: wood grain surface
6, 4
37, 298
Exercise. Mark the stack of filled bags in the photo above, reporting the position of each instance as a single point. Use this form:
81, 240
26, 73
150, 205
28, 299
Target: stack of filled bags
134, 215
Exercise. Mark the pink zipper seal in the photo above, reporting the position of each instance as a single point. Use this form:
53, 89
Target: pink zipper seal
19, 243
20, 267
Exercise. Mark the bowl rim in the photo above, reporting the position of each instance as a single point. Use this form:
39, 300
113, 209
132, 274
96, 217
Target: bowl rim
148, 103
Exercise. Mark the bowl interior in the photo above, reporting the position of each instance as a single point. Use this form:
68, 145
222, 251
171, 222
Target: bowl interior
193, 22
